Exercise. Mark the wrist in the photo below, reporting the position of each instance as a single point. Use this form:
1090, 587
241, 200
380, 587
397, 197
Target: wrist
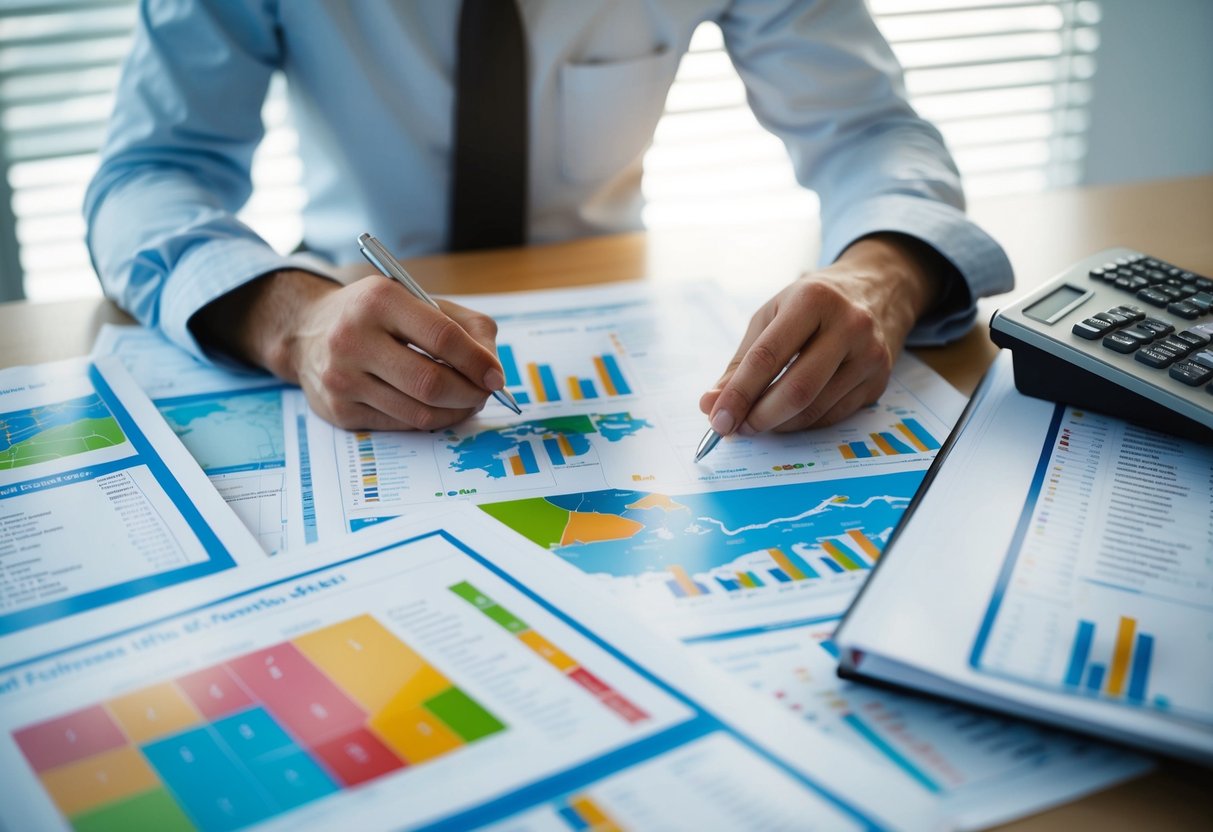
916, 270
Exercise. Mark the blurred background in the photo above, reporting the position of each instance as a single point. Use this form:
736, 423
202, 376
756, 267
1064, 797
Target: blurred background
1029, 95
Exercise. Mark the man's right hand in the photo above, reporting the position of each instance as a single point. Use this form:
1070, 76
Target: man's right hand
348, 348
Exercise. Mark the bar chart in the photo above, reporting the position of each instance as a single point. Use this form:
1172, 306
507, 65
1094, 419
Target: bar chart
1126, 676
905, 437
596, 376
255, 736
854, 551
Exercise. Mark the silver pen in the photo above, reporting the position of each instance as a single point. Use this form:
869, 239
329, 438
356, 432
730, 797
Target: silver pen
390, 267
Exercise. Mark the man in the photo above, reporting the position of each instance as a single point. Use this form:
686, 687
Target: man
436, 126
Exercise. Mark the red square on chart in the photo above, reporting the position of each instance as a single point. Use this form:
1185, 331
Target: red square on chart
69, 738
215, 692
357, 757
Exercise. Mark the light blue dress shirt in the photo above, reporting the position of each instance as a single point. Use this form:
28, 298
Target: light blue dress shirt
371, 90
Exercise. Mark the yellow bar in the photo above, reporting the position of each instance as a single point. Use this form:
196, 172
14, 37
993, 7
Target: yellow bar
786, 565
565, 446
100, 779
600, 366
846, 452
746, 580
840, 555
865, 543
883, 444
370, 664
553, 654
592, 814
516, 465
684, 580
1120, 656
532, 371
914, 440
575, 387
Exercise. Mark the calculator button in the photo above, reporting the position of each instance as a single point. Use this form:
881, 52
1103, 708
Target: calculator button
1191, 336
1124, 342
1204, 300
1204, 359
1091, 329
1202, 283
1173, 292
1156, 326
1133, 313
1190, 373
1185, 309
1154, 297
1145, 333
1098, 274
1174, 344
1156, 357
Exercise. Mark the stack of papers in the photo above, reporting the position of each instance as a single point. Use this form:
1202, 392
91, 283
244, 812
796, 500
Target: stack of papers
545, 609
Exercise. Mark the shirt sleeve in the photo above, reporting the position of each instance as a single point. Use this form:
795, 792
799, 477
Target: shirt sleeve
160, 211
821, 77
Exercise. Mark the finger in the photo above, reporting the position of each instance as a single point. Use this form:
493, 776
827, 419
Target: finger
408, 411
818, 377
442, 337
758, 367
422, 378
760, 321
708, 400
862, 396
481, 327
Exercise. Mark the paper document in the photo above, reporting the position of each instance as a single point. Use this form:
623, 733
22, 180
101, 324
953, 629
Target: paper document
1080, 585
232, 424
600, 467
99, 504
430, 674
983, 769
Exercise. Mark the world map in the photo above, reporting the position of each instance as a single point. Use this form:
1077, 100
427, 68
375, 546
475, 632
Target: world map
50, 432
232, 431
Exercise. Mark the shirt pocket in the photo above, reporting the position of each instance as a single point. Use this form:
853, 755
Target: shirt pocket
608, 112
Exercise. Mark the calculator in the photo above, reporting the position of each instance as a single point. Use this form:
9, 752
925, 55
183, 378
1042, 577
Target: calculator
1122, 333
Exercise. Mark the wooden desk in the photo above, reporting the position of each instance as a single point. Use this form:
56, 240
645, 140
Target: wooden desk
1042, 233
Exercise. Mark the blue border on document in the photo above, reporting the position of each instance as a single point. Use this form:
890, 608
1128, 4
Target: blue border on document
701, 725
219, 558
1021, 531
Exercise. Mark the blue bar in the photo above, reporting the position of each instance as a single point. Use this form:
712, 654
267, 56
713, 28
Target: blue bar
549, 383
1095, 678
703, 590
833, 566
896, 444
1080, 653
212, 787
780, 575
573, 820
553, 448
731, 586
1139, 673
860, 449
677, 589
522, 397
612, 366
527, 454
801, 564
506, 354
588, 390
921, 432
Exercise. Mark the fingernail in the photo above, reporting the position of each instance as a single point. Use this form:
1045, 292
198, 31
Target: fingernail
746, 430
722, 422
494, 380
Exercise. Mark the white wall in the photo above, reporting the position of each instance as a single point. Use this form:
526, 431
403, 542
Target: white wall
1152, 102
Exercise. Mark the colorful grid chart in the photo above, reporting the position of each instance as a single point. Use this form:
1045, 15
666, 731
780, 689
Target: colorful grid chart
368, 466
1126, 677
914, 439
581, 814
540, 384
255, 736
851, 552
565, 446
553, 655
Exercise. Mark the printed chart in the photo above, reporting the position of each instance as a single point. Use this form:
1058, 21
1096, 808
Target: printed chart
722, 560
51, 432
1111, 564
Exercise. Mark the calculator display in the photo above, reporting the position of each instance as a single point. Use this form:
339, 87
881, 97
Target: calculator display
1049, 308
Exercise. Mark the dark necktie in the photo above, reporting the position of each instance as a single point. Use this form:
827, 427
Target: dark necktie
489, 176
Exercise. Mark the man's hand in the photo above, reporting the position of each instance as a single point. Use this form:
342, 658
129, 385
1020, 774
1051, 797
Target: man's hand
347, 347
837, 331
